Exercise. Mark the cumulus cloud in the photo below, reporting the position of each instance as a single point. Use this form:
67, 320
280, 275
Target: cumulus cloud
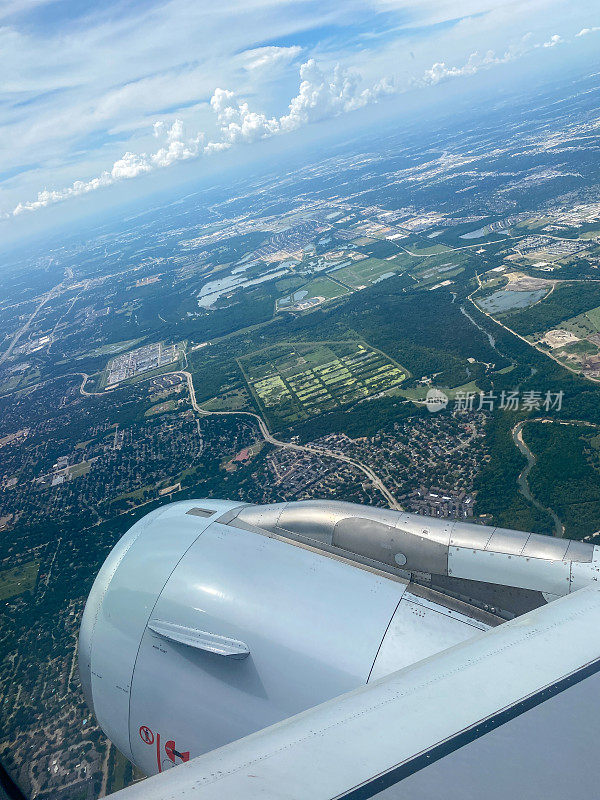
587, 31
440, 72
176, 147
237, 123
553, 41
321, 95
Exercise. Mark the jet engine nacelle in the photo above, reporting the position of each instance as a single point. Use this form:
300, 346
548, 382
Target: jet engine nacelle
197, 632
210, 619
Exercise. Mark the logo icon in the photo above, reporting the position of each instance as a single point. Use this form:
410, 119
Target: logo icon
146, 734
436, 400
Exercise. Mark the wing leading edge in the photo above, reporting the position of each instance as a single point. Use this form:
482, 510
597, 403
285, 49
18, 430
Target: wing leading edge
474, 718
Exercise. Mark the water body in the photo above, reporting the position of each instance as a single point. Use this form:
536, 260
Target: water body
478, 234
504, 300
210, 292
491, 339
384, 277
481, 232
294, 298
523, 482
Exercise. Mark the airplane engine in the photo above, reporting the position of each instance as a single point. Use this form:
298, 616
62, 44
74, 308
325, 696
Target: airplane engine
197, 632
211, 619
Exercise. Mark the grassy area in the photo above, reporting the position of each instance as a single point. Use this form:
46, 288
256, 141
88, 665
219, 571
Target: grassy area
77, 470
121, 773
364, 273
419, 393
112, 349
18, 580
293, 382
234, 400
319, 287
161, 408
324, 287
584, 324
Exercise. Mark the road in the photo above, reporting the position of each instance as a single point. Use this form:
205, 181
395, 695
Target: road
48, 296
268, 437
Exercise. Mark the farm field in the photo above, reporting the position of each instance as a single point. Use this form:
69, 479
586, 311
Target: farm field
18, 580
293, 382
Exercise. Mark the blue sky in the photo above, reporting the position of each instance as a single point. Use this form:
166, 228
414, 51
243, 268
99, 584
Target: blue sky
96, 95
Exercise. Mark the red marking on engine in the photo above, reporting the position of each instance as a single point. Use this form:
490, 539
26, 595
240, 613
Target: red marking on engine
172, 752
146, 734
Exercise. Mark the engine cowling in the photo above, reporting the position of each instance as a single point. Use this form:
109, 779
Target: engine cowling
202, 628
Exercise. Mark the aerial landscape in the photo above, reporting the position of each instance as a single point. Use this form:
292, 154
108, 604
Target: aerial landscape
408, 318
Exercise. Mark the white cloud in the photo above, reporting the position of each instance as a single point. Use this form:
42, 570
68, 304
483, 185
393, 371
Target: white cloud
553, 41
587, 31
237, 122
440, 72
113, 75
263, 58
320, 96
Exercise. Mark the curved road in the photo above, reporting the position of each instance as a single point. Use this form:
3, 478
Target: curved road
268, 437
522, 338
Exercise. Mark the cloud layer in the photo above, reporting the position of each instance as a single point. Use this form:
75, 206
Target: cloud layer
133, 85
320, 96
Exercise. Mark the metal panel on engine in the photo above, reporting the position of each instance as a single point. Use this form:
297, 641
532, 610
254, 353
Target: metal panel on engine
313, 625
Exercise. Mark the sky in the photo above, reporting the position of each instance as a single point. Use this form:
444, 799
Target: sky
94, 96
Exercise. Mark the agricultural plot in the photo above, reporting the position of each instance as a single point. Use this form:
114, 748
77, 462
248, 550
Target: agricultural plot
294, 382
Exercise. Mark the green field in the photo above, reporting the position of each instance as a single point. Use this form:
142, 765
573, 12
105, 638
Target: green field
364, 273
112, 349
319, 287
233, 400
161, 408
18, 580
293, 382
584, 324
440, 267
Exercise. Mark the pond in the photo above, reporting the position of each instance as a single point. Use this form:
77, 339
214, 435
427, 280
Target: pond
503, 300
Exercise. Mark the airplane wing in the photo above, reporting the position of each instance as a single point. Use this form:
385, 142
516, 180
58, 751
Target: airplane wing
513, 712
